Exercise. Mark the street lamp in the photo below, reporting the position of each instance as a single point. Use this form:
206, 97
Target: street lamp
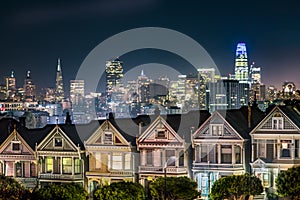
172, 158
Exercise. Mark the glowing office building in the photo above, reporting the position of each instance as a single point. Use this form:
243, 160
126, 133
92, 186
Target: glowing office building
114, 75
241, 64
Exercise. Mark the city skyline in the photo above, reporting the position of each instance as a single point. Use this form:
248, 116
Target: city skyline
36, 34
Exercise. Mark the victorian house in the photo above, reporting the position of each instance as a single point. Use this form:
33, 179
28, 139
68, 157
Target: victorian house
222, 146
111, 152
60, 155
275, 144
165, 145
17, 156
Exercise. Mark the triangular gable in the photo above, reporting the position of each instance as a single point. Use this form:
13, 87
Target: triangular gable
258, 162
267, 123
107, 134
15, 144
160, 131
216, 119
57, 140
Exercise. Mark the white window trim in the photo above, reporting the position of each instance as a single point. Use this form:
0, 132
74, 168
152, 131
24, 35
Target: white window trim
277, 119
16, 142
219, 127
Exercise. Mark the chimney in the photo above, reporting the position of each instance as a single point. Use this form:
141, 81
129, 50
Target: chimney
140, 128
249, 115
22, 121
68, 120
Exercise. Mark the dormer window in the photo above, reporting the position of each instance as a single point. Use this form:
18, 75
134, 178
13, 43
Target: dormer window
161, 134
108, 138
16, 146
277, 121
217, 130
58, 142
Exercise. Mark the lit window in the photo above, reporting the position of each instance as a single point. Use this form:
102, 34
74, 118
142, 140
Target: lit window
127, 161
77, 163
67, 165
49, 164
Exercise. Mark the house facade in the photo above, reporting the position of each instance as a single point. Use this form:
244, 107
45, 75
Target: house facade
111, 156
275, 144
221, 147
17, 158
162, 152
60, 156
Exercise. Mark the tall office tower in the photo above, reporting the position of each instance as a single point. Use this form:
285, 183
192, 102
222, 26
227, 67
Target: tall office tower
227, 94
143, 83
11, 86
59, 90
181, 90
114, 75
205, 76
257, 91
241, 64
77, 94
29, 89
192, 92
255, 74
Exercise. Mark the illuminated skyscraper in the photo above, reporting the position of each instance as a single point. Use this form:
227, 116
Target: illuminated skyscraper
10, 86
205, 76
29, 89
241, 64
114, 74
255, 74
77, 94
59, 90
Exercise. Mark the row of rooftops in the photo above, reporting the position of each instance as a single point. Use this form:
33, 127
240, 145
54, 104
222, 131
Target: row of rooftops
243, 120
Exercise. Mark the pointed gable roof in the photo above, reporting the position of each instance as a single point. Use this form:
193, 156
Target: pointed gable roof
290, 114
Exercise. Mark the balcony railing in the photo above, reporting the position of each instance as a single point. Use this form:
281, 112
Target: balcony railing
27, 182
61, 176
170, 169
110, 173
217, 166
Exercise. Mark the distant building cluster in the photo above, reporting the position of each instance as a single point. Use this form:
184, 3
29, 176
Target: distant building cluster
204, 90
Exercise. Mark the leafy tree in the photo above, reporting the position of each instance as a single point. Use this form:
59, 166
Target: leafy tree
288, 183
120, 190
67, 191
182, 188
235, 187
11, 189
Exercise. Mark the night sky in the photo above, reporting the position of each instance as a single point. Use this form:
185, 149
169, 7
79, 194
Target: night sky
35, 33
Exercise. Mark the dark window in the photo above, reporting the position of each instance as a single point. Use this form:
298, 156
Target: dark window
181, 158
58, 142
16, 147
18, 169
161, 134
149, 157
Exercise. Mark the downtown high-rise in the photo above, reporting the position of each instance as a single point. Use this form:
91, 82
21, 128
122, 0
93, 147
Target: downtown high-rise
59, 90
114, 74
241, 64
